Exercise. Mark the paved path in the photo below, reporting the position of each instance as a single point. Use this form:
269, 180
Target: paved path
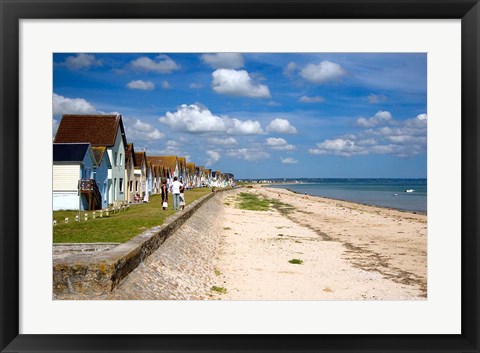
184, 265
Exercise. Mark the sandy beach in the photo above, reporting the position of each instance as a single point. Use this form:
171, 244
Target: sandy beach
348, 251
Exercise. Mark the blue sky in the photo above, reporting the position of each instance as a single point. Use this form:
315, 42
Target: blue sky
260, 115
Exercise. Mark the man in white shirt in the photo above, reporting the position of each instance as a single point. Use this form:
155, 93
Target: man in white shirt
175, 188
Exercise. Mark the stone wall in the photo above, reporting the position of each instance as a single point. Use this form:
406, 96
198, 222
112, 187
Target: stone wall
99, 272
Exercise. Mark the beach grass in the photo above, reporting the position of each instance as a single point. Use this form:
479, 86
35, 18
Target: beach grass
118, 227
220, 290
296, 261
248, 201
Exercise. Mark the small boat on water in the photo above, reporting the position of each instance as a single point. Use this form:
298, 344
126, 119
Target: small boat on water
409, 190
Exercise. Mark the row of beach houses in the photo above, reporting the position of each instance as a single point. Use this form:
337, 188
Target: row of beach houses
94, 166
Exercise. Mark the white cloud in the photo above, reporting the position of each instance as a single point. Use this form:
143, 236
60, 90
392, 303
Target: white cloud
402, 138
224, 141
162, 64
81, 61
289, 160
140, 131
197, 119
223, 60
63, 105
324, 72
248, 154
213, 157
246, 127
338, 147
237, 83
290, 69
281, 126
279, 144
315, 99
195, 85
376, 98
139, 84
166, 85
381, 117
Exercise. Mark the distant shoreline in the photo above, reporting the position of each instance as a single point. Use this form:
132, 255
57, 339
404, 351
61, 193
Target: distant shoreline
343, 200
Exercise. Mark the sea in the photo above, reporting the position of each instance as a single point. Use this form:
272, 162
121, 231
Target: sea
390, 193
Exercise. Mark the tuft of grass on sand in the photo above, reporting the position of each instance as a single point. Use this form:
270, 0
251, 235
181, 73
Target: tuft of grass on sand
248, 201
217, 272
296, 261
220, 290
118, 227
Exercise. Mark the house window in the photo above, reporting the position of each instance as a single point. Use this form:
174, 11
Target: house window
121, 184
121, 159
115, 159
136, 186
131, 186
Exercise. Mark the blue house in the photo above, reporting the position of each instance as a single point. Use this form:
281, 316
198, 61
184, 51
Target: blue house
100, 173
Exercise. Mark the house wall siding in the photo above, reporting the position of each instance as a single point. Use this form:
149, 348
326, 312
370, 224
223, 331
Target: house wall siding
65, 177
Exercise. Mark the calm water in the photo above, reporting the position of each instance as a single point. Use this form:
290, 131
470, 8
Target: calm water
378, 192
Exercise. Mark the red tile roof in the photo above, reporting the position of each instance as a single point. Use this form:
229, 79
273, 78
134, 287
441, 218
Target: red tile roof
98, 130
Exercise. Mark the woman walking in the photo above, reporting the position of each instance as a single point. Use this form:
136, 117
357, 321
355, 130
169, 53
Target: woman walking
164, 194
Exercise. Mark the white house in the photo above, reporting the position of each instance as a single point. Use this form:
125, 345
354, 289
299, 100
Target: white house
72, 163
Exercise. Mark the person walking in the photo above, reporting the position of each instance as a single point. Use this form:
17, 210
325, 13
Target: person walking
182, 197
176, 185
164, 190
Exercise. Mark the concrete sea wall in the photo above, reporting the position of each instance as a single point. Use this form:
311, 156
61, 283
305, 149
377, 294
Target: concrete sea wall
99, 272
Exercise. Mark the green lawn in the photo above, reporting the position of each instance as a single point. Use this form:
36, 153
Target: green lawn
119, 227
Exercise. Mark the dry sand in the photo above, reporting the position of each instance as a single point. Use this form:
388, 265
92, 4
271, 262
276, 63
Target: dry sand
349, 251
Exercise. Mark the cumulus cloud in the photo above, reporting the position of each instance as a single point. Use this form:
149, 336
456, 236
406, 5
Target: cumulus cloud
376, 98
314, 99
281, 126
139, 84
223, 60
63, 105
141, 131
289, 160
81, 61
324, 72
381, 117
224, 141
197, 119
338, 147
237, 83
402, 138
278, 144
248, 154
162, 64
213, 157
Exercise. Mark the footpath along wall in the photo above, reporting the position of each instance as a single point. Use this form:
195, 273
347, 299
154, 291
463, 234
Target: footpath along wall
99, 272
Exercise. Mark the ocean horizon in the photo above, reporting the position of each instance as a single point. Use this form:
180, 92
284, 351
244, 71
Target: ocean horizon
382, 192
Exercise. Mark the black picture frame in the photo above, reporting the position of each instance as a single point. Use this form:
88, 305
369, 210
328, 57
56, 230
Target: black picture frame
12, 11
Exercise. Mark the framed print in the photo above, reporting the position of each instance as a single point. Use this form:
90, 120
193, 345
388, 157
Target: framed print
381, 97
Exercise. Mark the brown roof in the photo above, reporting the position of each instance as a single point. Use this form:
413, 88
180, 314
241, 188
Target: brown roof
98, 130
191, 167
129, 153
140, 158
164, 161
98, 153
